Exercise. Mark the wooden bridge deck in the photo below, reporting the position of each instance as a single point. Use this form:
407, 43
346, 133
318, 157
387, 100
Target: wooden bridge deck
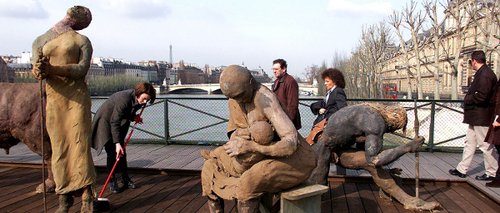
163, 190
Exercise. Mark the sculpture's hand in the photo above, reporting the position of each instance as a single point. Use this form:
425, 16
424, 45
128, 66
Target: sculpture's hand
237, 146
243, 133
41, 67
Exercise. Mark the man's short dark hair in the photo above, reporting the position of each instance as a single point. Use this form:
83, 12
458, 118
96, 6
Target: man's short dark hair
280, 61
479, 56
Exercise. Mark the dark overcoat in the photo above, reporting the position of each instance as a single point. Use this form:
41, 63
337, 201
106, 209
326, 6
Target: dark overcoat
287, 92
112, 120
493, 135
336, 100
479, 103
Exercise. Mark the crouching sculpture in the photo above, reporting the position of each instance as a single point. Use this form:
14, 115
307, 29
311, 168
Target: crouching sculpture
353, 138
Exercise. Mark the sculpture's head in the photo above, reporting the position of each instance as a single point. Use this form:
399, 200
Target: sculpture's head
237, 83
261, 132
396, 118
80, 17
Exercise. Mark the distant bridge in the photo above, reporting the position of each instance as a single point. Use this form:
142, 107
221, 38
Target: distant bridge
304, 89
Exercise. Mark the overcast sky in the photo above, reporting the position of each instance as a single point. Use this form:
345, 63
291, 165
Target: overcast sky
214, 32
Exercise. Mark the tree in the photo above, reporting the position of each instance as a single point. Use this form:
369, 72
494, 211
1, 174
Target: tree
456, 9
414, 20
395, 20
431, 9
373, 49
484, 14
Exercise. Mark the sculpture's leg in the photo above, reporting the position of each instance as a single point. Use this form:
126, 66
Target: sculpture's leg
388, 156
50, 185
248, 206
216, 206
87, 200
384, 180
65, 202
320, 174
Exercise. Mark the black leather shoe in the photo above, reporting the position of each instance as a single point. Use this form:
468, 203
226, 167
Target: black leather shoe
485, 177
113, 187
455, 172
129, 184
494, 184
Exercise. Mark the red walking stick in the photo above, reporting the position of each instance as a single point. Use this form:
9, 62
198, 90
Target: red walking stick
103, 203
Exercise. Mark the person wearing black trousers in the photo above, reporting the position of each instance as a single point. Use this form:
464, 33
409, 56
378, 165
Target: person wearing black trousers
111, 124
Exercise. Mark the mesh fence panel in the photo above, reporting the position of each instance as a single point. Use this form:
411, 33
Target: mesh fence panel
203, 120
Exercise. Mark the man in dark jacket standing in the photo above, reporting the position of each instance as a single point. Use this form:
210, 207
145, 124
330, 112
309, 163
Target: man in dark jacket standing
287, 91
479, 106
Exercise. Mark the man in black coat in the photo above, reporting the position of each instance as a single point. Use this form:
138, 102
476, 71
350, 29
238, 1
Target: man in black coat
479, 106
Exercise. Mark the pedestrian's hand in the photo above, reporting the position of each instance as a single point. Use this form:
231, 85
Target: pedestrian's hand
138, 119
119, 150
496, 124
322, 110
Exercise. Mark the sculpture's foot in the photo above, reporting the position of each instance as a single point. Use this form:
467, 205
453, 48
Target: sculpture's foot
50, 186
216, 206
416, 143
384, 195
65, 202
87, 200
419, 204
395, 171
249, 206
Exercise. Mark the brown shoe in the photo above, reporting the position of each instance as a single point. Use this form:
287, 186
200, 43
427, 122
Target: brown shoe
494, 184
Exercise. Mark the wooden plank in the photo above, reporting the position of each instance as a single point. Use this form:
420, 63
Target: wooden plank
339, 199
162, 194
352, 196
13, 178
147, 196
185, 199
304, 191
172, 197
370, 203
446, 203
196, 205
385, 205
476, 199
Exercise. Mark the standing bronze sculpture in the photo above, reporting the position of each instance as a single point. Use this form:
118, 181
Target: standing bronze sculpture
62, 57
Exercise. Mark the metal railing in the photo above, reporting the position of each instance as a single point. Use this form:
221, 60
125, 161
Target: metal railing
202, 120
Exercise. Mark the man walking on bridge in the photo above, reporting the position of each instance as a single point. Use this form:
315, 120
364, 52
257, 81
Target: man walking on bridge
287, 91
479, 106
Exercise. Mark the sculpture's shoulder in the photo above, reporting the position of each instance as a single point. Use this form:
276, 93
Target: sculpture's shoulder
264, 97
79, 38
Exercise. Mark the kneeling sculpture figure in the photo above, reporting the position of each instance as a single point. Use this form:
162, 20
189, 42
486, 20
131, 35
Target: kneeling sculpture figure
353, 138
246, 167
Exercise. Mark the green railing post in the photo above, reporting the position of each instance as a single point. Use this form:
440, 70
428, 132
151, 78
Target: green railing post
431, 126
165, 120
